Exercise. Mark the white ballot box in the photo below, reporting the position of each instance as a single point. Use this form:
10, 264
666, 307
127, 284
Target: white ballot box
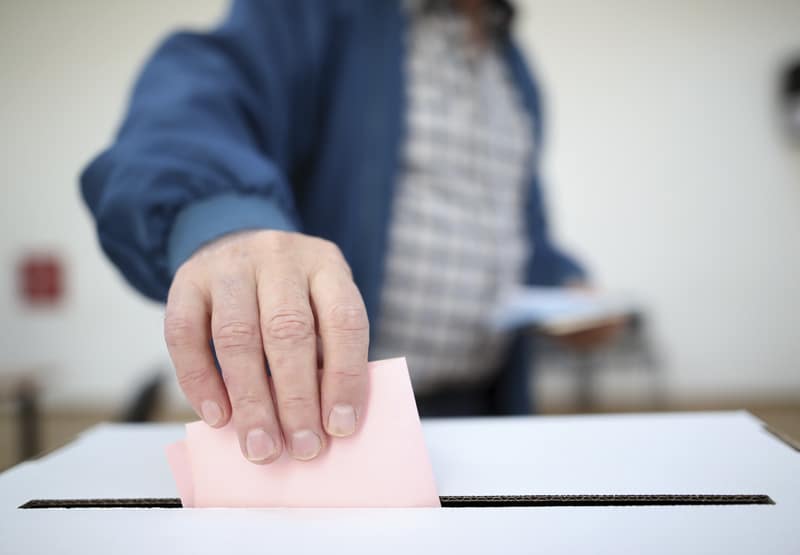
660, 483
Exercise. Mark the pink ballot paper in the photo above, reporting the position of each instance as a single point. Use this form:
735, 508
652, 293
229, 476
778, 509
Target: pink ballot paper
385, 464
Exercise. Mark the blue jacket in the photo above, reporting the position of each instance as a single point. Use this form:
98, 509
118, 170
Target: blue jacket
289, 115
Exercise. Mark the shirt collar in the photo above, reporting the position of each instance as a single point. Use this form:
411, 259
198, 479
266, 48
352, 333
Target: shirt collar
500, 15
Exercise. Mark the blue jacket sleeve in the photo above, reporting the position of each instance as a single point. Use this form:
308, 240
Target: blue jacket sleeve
549, 265
207, 147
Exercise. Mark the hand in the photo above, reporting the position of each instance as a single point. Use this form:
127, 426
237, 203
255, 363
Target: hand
285, 296
591, 337
594, 336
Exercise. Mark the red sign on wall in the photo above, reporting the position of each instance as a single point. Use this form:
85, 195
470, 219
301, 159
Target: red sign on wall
41, 279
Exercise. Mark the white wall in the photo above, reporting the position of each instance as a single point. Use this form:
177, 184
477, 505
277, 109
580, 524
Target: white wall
66, 69
668, 175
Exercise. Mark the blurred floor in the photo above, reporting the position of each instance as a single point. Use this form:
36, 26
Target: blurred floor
60, 427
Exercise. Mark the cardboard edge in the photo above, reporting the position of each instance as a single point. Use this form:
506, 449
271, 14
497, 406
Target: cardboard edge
783, 437
456, 501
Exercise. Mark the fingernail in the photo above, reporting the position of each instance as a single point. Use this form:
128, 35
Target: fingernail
211, 412
342, 420
260, 445
305, 445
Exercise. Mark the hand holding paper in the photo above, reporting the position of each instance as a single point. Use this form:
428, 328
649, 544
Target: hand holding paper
252, 294
385, 464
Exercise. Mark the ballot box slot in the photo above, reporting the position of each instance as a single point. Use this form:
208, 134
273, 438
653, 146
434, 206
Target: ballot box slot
600, 500
125, 503
451, 501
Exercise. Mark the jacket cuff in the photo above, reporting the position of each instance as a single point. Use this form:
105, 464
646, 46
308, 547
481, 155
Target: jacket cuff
205, 220
571, 272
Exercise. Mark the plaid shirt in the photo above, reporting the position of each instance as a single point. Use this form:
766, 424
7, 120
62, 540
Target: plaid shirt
457, 237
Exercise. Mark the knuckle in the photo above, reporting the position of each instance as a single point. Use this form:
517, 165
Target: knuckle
179, 331
329, 252
232, 286
178, 278
298, 403
247, 400
289, 325
276, 241
236, 337
231, 246
348, 318
344, 376
186, 273
191, 379
328, 248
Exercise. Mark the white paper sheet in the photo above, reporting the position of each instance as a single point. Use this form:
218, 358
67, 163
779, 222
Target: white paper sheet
557, 309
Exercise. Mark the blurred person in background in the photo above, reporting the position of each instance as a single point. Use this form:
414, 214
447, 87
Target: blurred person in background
316, 181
